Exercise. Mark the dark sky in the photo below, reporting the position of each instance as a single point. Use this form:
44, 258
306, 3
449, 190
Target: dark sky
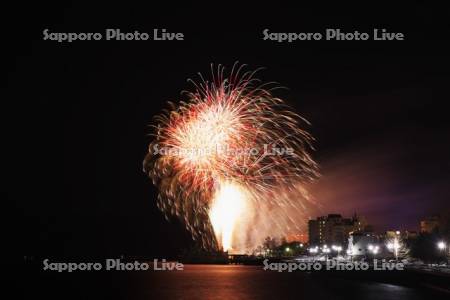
78, 115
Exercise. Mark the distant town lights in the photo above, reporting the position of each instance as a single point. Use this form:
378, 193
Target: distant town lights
393, 245
313, 250
336, 248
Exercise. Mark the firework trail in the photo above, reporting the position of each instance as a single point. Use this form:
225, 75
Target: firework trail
231, 162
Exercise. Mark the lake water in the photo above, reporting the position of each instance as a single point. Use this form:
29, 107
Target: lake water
215, 282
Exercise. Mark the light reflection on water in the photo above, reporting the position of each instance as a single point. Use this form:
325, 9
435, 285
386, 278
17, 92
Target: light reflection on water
251, 282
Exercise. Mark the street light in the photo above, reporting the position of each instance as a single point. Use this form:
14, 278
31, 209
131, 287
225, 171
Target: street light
350, 253
394, 246
338, 249
441, 246
326, 250
313, 250
288, 251
374, 248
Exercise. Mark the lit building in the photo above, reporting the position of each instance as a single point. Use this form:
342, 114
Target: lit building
333, 229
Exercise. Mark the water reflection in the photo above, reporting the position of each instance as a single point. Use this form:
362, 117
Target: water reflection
251, 282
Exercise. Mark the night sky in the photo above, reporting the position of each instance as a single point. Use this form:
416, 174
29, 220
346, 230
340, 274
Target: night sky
77, 115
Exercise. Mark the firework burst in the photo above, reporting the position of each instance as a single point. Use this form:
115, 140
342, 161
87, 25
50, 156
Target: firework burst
231, 157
